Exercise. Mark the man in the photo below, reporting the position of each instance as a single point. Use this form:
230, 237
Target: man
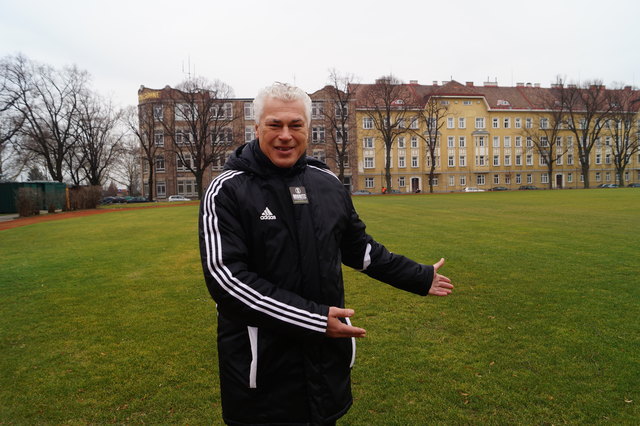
275, 228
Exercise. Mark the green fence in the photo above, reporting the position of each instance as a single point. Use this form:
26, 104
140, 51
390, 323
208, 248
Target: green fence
44, 193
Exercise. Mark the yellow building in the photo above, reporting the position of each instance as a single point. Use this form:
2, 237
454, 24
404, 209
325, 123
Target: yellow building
488, 136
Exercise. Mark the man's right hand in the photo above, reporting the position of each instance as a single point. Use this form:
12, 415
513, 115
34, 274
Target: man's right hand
336, 328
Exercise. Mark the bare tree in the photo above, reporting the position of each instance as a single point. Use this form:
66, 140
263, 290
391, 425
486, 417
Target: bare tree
587, 110
99, 138
433, 115
386, 103
126, 170
623, 127
142, 122
48, 99
11, 119
341, 97
202, 125
551, 120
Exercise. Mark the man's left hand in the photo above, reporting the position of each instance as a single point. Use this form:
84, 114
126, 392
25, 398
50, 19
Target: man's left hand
441, 285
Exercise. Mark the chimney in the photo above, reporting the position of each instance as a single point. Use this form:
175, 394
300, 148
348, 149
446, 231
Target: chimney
413, 81
490, 84
519, 84
435, 82
469, 83
528, 84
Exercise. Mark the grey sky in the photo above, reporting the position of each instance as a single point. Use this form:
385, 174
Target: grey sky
249, 44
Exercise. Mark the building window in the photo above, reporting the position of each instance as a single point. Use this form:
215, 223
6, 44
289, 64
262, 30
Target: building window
462, 142
367, 123
496, 179
248, 111
529, 142
452, 180
518, 141
559, 159
224, 136
506, 122
529, 178
183, 166
462, 161
414, 123
249, 133
187, 187
518, 179
161, 189
317, 109
495, 123
529, 160
507, 179
480, 160
517, 123
462, 123
401, 162
159, 163
570, 177
182, 137
401, 142
369, 182
414, 141
368, 143
507, 160
466, 102
598, 158
451, 141
480, 123
401, 182
452, 161
158, 138
480, 179
496, 160
414, 161
570, 159
317, 134
518, 160
544, 178
341, 110
319, 154
218, 161
496, 141
463, 181
450, 123
544, 123
507, 141
222, 111
480, 141
528, 122
368, 162
158, 112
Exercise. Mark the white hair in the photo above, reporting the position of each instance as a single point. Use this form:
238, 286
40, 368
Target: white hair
283, 92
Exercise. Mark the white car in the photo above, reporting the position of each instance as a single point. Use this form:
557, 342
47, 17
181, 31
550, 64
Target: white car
178, 198
472, 189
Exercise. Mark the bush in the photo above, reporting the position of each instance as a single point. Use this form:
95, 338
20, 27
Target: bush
84, 197
28, 201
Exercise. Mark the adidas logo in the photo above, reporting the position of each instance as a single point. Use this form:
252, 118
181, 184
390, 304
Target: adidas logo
267, 215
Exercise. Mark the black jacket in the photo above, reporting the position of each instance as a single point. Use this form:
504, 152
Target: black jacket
274, 268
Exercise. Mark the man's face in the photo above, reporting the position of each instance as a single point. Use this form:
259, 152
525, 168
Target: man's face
283, 131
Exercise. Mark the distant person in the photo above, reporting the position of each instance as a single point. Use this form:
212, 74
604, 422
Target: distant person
274, 228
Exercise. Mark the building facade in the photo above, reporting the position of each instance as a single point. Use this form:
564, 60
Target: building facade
490, 136
485, 136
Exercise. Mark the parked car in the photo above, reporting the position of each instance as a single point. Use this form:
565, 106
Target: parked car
137, 200
472, 189
634, 185
608, 185
361, 192
499, 188
178, 198
528, 187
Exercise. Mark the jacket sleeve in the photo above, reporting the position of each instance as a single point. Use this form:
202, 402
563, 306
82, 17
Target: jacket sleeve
360, 251
241, 295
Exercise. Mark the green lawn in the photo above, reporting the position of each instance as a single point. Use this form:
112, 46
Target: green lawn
106, 318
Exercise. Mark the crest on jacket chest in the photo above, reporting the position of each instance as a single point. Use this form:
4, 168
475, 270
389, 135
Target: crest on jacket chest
298, 195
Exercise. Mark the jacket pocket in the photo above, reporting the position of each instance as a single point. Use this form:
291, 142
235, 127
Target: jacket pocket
253, 367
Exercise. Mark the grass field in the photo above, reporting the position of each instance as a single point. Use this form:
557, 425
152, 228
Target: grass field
106, 318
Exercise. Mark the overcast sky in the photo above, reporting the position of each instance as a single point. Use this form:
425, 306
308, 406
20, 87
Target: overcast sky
249, 44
